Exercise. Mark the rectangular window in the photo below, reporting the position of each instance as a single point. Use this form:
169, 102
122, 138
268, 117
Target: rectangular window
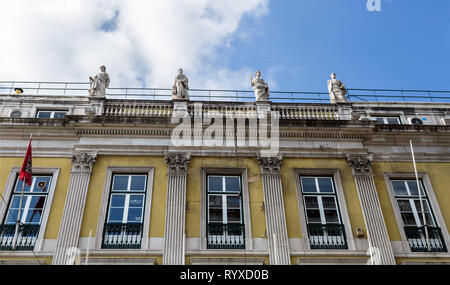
388, 120
225, 226
51, 114
413, 209
124, 222
31, 211
324, 223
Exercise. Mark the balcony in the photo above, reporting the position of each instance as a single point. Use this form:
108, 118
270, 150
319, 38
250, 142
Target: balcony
120, 236
330, 236
226, 236
26, 238
417, 239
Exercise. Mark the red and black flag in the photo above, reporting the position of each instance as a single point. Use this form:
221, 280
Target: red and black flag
25, 172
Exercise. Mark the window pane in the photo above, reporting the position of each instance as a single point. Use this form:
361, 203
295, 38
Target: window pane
413, 188
19, 186
404, 206
215, 201
331, 216
426, 209
138, 183
42, 114
325, 185
41, 184
120, 183
12, 216
308, 185
399, 188
16, 201
408, 219
313, 216
233, 202
59, 115
135, 215
34, 216
118, 200
232, 184
328, 202
115, 215
393, 121
215, 215
215, 183
380, 121
311, 202
136, 201
429, 219
37, 202
234, 215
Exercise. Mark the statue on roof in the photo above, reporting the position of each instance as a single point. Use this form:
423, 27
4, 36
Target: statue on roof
260, 86
99, 83
180, 89
337, 90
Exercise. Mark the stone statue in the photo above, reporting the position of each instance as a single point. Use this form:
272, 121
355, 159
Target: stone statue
99, 83
336, 89
180, 89
261, 87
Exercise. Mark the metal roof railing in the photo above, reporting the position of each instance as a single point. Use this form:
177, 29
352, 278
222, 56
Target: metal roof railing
58, 89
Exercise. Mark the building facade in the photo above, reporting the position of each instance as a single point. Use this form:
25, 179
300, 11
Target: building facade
110, 185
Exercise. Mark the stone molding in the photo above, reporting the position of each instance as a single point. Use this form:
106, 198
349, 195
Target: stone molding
177, 163
83, 161
270, 165
360, 163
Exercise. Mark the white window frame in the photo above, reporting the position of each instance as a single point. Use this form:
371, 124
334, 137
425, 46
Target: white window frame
385, 121
245, 211
127, 196
342, 206
224, 202
110, 172
9, 190
52, 113
433, 204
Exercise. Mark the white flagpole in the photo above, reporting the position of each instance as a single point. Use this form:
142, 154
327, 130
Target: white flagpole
420, 198
87, 250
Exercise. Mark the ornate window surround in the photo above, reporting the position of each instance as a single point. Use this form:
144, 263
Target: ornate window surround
243, 172
14, 172
434, 206
341, 202
110, 171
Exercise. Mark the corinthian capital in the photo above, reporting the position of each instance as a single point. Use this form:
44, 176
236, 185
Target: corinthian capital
360, 163
83, 161
177, 162
270, 165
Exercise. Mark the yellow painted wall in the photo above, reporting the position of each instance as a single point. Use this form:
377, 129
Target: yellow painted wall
290, 195
59, 196
439, 177
97, 184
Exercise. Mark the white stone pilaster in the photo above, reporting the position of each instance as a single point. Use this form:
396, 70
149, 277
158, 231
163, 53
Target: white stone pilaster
69, 229
274, 210
373, 216
175, 208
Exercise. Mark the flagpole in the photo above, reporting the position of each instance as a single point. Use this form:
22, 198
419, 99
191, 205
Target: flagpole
420, 198
16, 232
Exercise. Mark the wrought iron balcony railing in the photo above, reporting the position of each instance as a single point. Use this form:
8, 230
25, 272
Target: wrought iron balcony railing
417, 239
226, 236
122, 236
330, 236
26, 238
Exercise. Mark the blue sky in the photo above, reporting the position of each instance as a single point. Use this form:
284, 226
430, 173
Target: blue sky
299, 43
220, 43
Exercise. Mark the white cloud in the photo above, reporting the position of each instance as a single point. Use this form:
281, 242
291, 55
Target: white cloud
63, 40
